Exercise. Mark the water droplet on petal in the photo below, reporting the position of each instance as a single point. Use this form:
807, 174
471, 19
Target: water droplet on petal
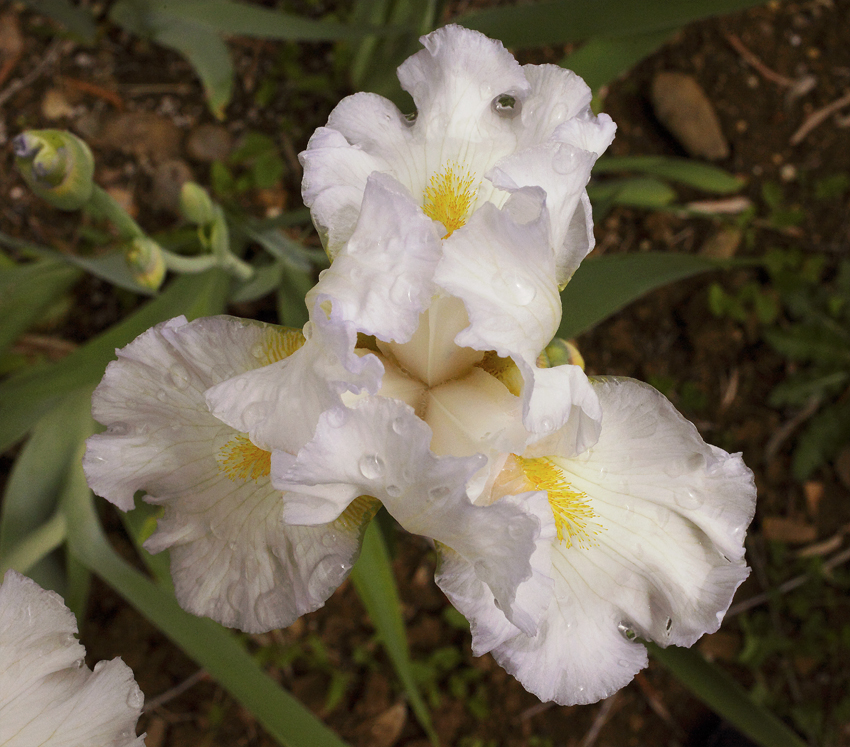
329, 540
308, 330
161, 395
506, 106
258, 351
118, 429
371, 466
135, 699
688, 499
240, 385
393, 491
409, 119
254, 414
437, 493
179, 376
524, 292
401, 293
337, 417
627, 631
546, 425
516, 530
399, 425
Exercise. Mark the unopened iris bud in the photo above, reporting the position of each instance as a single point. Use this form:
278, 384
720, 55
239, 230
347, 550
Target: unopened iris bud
57, 166
560, 353
145, 259
196, 205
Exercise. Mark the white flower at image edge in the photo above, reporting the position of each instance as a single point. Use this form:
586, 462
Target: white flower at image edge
48, 696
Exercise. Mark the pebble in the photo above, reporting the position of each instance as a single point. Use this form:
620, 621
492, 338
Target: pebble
209, 142
683, 107
142, 134
722, 244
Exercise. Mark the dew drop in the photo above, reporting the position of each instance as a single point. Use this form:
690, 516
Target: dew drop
546, 424
329, 539
506, 105
401, 293
258, 351
337, 417
688, 499
371, 466
393, 491
179, 376
515, 530
409, 119
135, 699
308, 330
497, 604
254, 414
437, 493
627, 631
622, 663
696, 462
240, 385
161, 395
399, 425
524, 292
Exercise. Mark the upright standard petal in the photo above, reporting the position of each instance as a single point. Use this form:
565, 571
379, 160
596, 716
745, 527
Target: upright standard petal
381, 448
476, 109
48, 696
382, 281
232, 557
650, 524
501, 267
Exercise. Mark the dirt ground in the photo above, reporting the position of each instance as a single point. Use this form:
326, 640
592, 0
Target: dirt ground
718, 371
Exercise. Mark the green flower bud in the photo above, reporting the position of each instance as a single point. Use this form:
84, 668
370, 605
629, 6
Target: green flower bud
196, 205
57, 166
559, 353
146, 261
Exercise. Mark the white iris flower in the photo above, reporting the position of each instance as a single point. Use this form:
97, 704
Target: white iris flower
571, 516
48, 696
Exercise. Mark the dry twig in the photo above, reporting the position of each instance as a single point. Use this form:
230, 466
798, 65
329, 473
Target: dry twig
606, 710
54, 51
818, 117
175, 691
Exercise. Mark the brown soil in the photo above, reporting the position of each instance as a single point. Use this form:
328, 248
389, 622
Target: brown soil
719, 372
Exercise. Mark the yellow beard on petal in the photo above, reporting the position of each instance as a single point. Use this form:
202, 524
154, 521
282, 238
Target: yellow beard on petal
450, 196
278, 343
571, 508
240, 460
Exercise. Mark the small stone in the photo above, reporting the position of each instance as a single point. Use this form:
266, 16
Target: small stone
792, 531
54, 105
11, 39
813, 491
685, 110
209, 142
142, 134
385, 729
168, 180
722, 244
